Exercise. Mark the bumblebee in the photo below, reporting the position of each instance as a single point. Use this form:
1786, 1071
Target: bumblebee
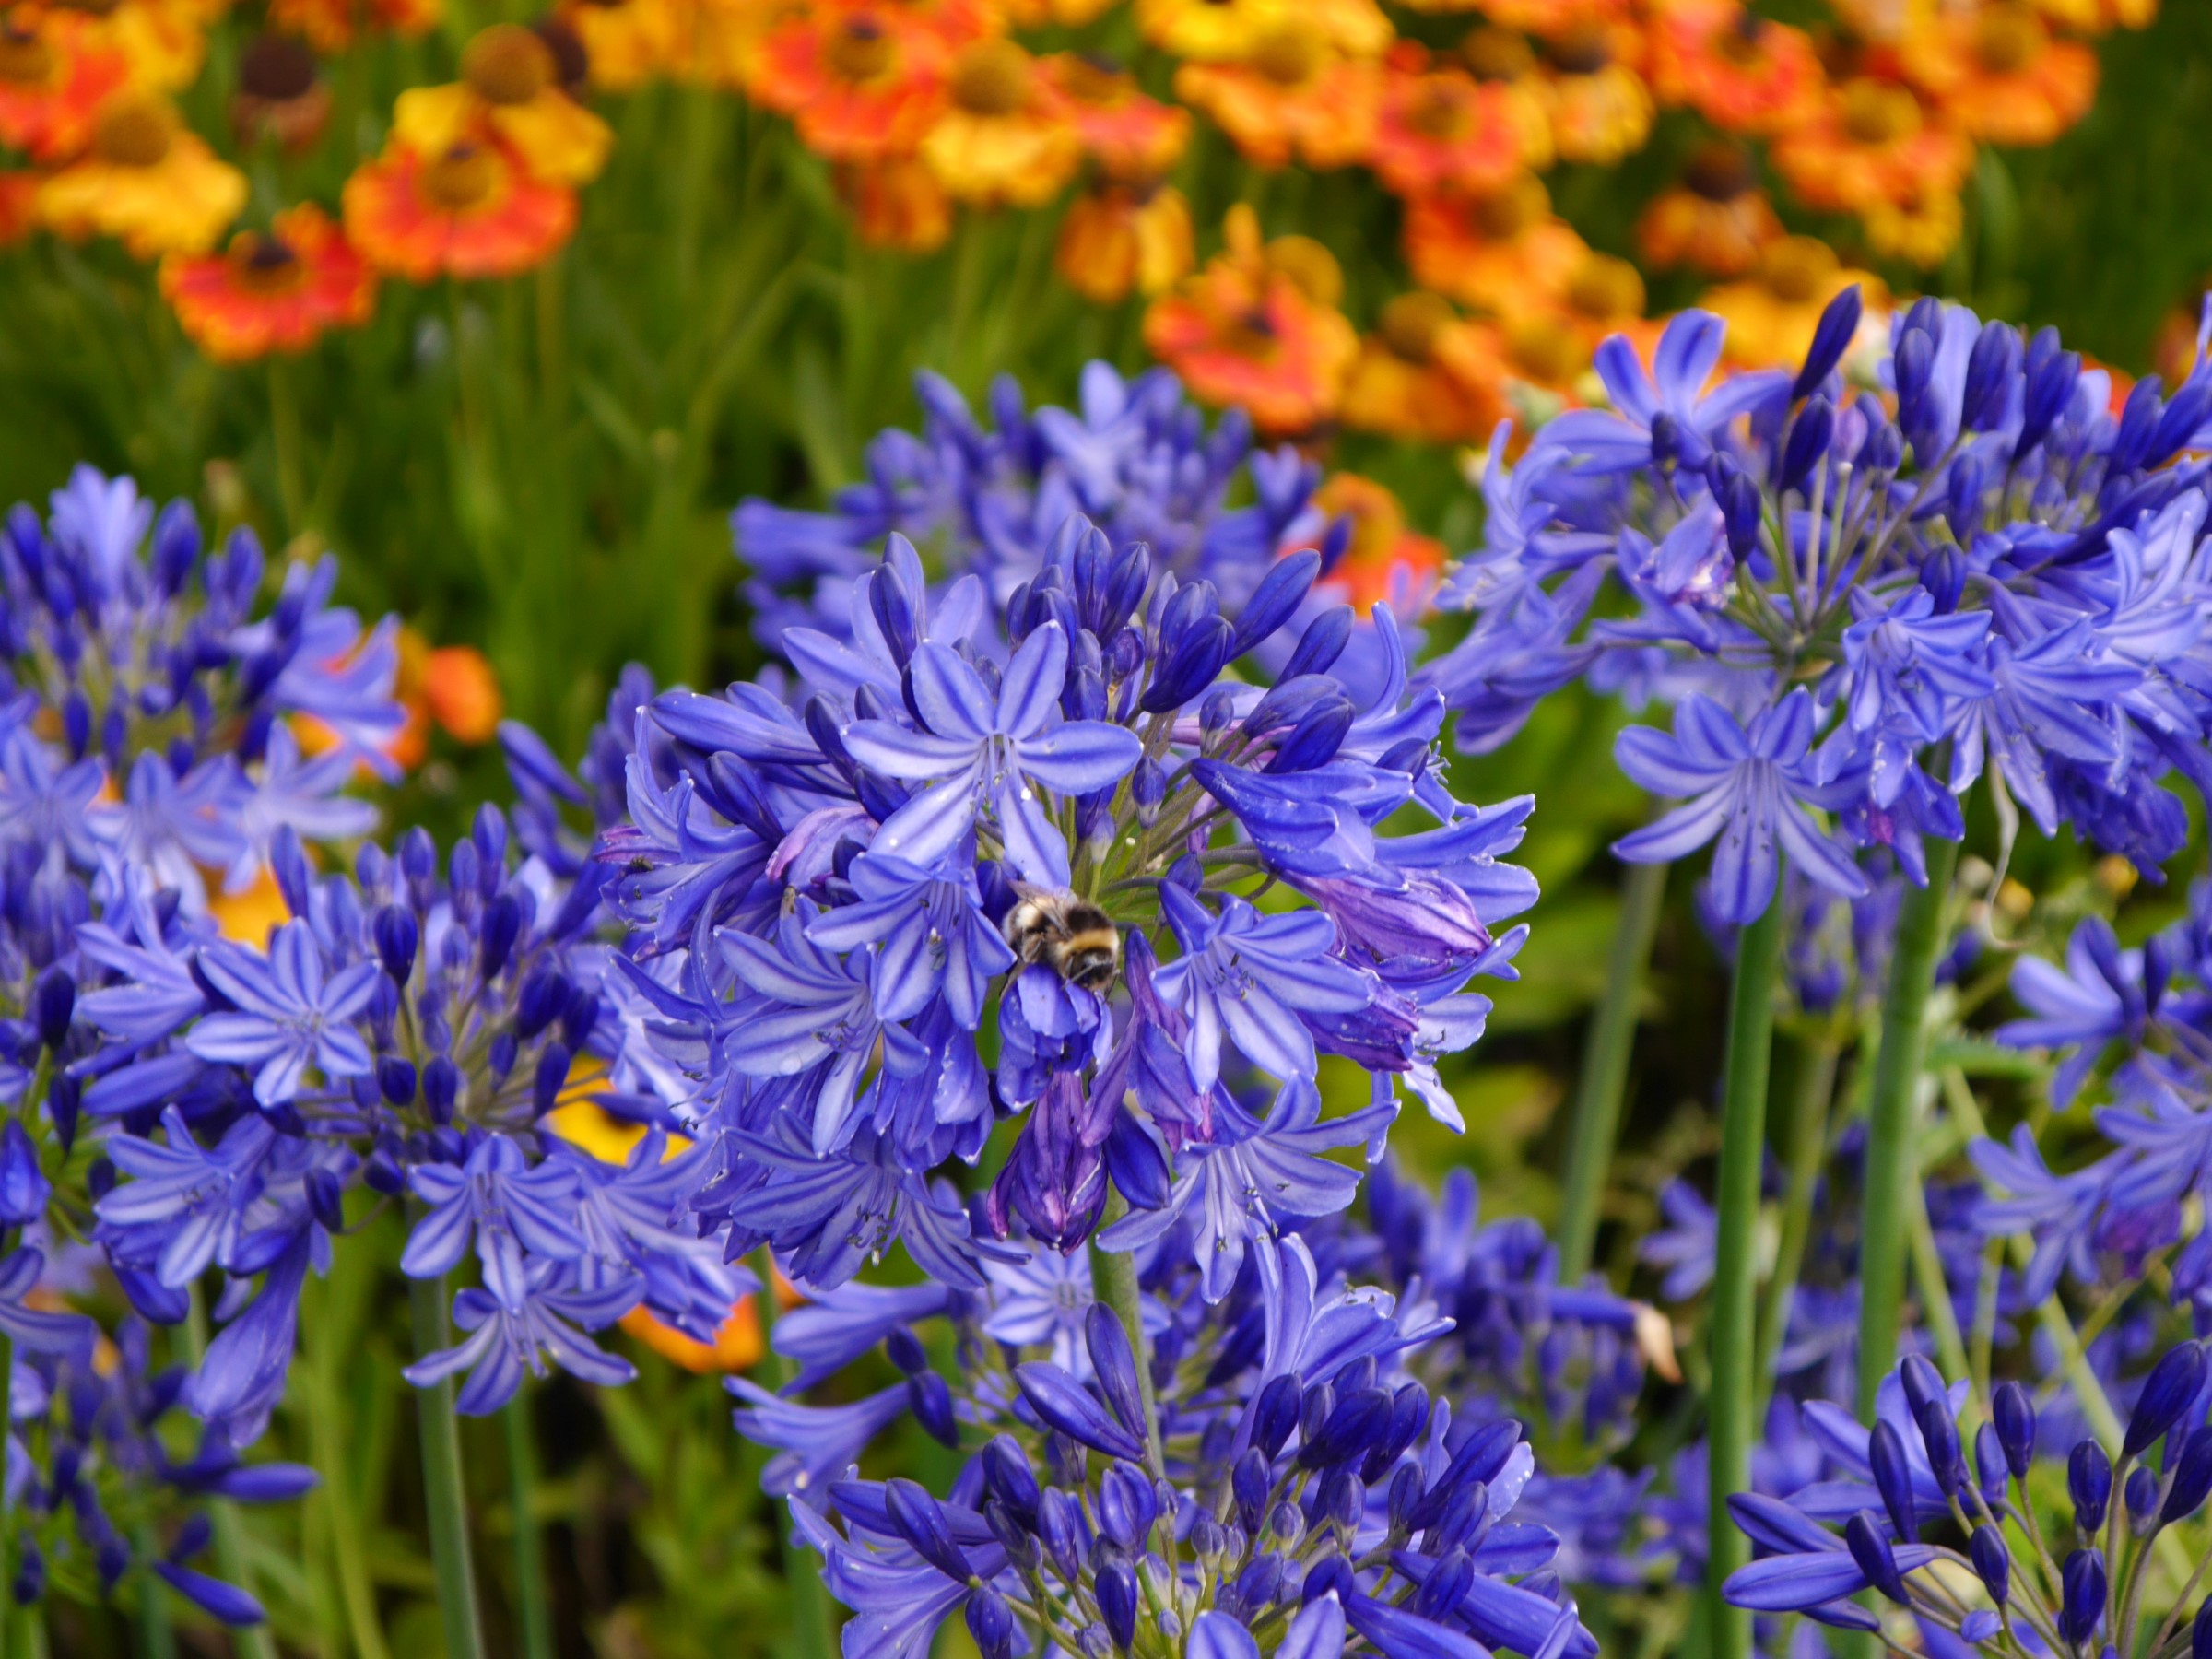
1071, 936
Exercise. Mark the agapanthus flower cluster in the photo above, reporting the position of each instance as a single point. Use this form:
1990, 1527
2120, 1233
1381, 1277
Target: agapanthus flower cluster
1938, 558
1304, 1494
1948, 1510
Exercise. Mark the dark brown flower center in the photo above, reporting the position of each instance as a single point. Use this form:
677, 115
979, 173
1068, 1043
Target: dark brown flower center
25, 58
1794, 268
1410, 325
461, 178
1603, 287
1719, 172
1440, 109
571, 62
276, 68
507, 65
1505, 212
1497, 55
264, 264
1545, 350
1879, 111
992, 78
1744, 41
1288, 53
134, 131
861, 49
1580, 52
2008, 40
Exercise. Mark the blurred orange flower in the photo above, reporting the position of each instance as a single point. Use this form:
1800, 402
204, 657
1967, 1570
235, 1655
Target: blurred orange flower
162, 42
1552, 18
508, 89
1293, 97
1131, 136
452, 688
1872, 141
1258, 328
1121, 239
53, 78
1502, 252
18, 205
1715, 221
1920, 230
897, 203
1742, 72
1438, 128
1385, 563
332, 26
472, 211
1501, 59
1005, 136
1409, 381
1600, 109
859, 82
2000, 76
1772, 315
270, 292
1217, 30
281, 96
147, 181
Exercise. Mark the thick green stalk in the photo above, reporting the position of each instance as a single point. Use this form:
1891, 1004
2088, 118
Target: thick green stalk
254, 1641
1605, 1050
332, 1452
1113, 1282
444, 1494
812, 1622
1813, 1087
1893, 1121
1729, 1403
533, 1608
157, 1638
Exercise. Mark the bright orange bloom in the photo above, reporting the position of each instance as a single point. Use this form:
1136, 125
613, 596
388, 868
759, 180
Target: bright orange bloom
702, 43
473, 212
1772, 316
897, 203
1122, 238
1410, 382
1872, 142
273, 292
508, 91
1005, 136
1715, 221
1743, 73
1600, 109
1258, 327
251, 915
147, 181
1438, 128
1293, 97
1502, 253
162, 43
2000, 76
1385, 563
1132, 137
1552, 18
280, 97
2094, 17
18, 205
1503, 59
332, 26
1055, 14
1218, 31
53, 78
860, 83
1922, 229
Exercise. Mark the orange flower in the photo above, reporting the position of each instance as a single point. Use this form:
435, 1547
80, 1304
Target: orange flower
1385, 563
509, 87
153, 187
332, 26
1119, 239
1258, 328
1219, 30
1552, 18
1772, 316
1410, 382
1131, 136
2094, 17
1438, 128
1872, 142
1921, 230
2000, 76
858, 82
1716, 220
1055, 14
1292, 96
1502, 253
473, 211
1005, 136
1503, 59
277, 292
162, 43
280, 95
53, 78
897, 203
18, 205
252, 913
1743, 73
1600, 109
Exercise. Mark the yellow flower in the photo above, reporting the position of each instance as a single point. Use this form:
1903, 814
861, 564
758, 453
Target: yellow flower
1006, 135
1218, 31
1922, 229
1119, 238
149, 183
507, 84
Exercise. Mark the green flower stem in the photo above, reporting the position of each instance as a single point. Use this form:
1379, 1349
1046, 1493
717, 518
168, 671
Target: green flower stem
157, 1639
254, 1641
333, 1463
1935, 1290
1893, 1121
1113, 1281
1606, 1052
1729, 1401
533, 1606
444, 1494
1814, 1089
812, 1622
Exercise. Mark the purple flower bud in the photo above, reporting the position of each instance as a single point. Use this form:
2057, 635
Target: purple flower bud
2081, 1602
31, 1575
1331, 1575
2192, 1480
1060, 1527
1316, 739
2173, 1383
1116, 1363
382, 1173
1871, 1551
1127, 1506
1314, 1408
2013, 1415
1939, 1434
1353, 1427
502, 925
904, 1350
499, 1056
1275, 600
398, 937
326, 1200
920, 1520
1445, 1586
1990, 369
1993, 1561
991, 1622
1020, 1545
1319, 647
2089, 1484
76, 724
1738, 499
65, 1100
1989, 1464
24, 1188
2052, 378
1342, 1500
2200, 1633
1249, 1483
1007, 1468
1839, 325
1116, 1591
1148, 789
440, 1087
930, 1397
2179, 422
1276, 1415
551, 1078
1286, 1524
52, 1003
395, 1079
1810, 435
1922, 1384
2142, 1491
176, 547
1893, 1479
2138, 422
1913, 364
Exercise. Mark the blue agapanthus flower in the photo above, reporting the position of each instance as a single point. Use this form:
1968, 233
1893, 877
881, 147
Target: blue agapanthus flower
1861, 592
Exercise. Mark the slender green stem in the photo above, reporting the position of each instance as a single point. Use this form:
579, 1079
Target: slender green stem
1729, 1426
445, 1495
333, 1463
254, 1641
1113, 1282
157, 1639
812, 1622
1606, 1052
1935, 1290
1814, 1086
534, 1607
1893, 1121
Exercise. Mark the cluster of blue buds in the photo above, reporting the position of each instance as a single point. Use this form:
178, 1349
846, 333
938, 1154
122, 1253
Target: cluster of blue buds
1999, 1575
1860, 589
